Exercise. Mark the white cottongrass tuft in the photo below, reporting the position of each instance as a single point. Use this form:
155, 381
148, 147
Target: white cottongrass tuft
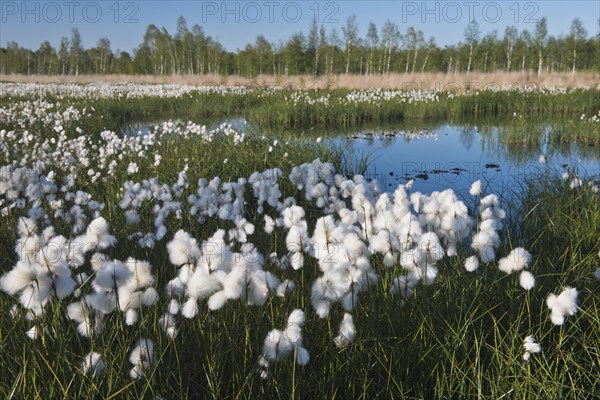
280, 344
575, 183
302, 355
597, 274
429, 245
296, 318
167, 322
93, 364
530, 347
475, 188
263, 367
97, 233
346, 333
26, 227
217, 300
275, 347
471, 263
32, 333
526, 280
517, 260
485, 243
565, 304
132, 168
190, 308
132, 217
285, 287
141, 358
269, 224
183, 249
87, 321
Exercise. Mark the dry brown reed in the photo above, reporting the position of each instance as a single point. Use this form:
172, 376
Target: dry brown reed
421, 81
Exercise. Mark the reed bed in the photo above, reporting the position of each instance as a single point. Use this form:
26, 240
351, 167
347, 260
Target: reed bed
416, 81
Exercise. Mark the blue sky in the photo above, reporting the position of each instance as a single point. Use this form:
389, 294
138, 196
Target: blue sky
236, 23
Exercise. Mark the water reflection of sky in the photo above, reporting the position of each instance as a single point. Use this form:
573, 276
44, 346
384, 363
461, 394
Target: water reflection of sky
458, 155
445, 156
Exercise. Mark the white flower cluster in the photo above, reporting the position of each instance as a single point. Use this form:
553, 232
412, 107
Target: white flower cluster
141, 358
162, 196
279, 344
518, 260
124, 285
594, 118
24, 114
51, 266
190, 129
412, 231
365, 96
357, 231
304, 97
376, 96
530, 347
103, 90
563, 305
213, 271
24, 188
70, 149
575, 182
486, 240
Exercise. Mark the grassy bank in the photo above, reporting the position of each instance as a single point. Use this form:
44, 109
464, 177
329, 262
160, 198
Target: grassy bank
572, 113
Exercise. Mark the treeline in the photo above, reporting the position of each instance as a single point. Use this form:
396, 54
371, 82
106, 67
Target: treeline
318, 52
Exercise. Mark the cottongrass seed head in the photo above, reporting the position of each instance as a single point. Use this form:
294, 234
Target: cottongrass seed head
93, 364
530, 347
346, 333
141, 358
565, 304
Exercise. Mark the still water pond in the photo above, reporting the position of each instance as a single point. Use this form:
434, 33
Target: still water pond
450, 156
447, 155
